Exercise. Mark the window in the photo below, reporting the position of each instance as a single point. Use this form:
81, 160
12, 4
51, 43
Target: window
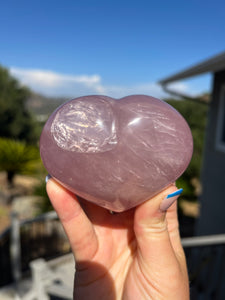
220, 137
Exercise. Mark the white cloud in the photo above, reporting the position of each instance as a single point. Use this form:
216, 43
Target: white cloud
187, 88
179, 87
55, 84
152, 89
52, 83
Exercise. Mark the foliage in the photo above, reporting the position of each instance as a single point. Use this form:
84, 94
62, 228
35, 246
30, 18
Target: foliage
15, 120
17, 157
195, 114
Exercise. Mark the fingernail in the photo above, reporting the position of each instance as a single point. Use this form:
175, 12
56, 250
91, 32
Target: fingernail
47, 178
169, 200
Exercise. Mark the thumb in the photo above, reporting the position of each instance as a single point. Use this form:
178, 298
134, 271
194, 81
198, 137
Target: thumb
150, 227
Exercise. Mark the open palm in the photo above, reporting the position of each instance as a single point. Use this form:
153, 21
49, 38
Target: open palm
136, 254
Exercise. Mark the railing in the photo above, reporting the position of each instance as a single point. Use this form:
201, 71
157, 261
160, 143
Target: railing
27, 240
206, 265
44, 237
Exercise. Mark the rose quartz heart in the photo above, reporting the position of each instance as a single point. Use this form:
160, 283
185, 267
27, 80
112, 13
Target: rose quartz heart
116, 153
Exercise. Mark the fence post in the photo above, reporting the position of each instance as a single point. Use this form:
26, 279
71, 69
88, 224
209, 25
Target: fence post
41, 277
15, 247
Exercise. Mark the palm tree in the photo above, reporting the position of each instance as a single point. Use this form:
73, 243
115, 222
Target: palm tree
17, 157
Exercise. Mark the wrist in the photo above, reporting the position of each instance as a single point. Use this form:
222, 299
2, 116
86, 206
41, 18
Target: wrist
91, 285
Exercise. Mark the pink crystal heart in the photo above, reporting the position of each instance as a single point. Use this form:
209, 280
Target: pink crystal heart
116, 153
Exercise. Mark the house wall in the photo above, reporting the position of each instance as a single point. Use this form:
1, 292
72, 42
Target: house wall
212, 213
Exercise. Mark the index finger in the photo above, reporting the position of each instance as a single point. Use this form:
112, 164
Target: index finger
77, 226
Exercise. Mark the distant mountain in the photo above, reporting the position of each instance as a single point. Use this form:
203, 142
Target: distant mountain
42, 105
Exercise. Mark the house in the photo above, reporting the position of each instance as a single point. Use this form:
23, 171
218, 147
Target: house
211, 220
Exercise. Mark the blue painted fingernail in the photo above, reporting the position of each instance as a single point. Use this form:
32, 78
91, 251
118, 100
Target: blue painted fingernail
47, 178
170, 199
176, 193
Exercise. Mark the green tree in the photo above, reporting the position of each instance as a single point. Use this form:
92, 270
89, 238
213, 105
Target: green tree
17, 157
15, 120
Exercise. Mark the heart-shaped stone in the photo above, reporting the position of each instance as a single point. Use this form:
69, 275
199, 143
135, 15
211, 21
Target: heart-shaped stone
116, 153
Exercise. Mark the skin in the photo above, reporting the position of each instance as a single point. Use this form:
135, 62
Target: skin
135, 254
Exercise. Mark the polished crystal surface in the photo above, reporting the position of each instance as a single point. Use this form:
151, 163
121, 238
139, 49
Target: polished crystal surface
116, 153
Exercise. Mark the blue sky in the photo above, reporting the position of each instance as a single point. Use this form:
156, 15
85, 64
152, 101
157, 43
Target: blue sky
114, 48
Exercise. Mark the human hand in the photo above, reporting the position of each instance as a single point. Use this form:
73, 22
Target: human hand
136, 254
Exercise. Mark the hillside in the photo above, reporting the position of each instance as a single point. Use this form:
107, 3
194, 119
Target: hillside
42, 105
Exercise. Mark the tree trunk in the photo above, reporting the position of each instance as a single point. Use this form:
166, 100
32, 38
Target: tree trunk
10, 177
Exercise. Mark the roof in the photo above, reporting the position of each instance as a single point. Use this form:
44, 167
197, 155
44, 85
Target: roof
214, 64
